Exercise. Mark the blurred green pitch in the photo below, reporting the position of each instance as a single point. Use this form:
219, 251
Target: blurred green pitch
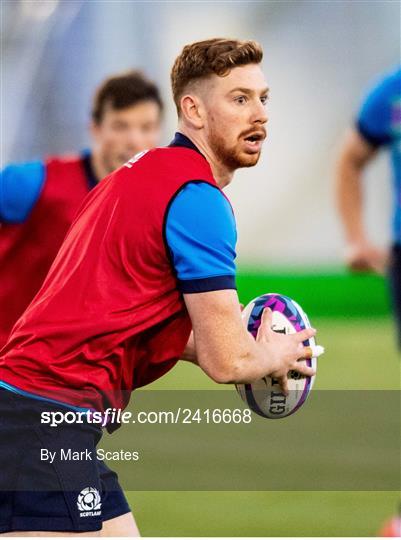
360, 354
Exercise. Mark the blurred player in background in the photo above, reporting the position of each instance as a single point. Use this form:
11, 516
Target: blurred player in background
391, 528
149, 257
38, 200
378, 125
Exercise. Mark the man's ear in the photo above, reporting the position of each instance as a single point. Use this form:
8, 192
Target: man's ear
94, 129
192, 110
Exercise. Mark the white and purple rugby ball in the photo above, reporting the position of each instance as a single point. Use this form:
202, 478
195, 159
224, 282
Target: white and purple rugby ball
264, 396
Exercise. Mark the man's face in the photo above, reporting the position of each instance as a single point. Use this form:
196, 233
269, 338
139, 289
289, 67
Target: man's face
122, 133
236, 116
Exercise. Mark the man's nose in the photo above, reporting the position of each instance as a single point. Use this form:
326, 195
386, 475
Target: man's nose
259, 113
133, 140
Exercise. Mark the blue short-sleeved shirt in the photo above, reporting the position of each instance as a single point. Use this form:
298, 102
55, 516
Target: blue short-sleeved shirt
20, 187
379, 122
201, 235
22, 183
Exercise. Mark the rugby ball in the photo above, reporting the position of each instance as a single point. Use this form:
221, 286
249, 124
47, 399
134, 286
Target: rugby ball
264, 396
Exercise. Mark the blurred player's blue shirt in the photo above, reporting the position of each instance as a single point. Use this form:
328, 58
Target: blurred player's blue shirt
379, 122
20, 187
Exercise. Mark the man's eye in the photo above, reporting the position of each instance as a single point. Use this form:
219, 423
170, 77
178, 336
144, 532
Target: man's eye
241, 100
147, 128
264, 99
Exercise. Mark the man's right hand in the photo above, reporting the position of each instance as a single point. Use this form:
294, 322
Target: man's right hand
228, 353
284, 351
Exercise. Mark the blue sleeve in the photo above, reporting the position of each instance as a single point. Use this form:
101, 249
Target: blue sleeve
374, 118
20, 187
201, 236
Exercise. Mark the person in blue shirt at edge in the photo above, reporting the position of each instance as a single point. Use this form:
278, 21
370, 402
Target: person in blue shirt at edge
38, 200
378, 125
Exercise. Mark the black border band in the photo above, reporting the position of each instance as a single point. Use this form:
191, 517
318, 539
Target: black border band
215, 283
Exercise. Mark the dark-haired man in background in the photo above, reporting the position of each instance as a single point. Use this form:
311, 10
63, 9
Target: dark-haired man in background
38, 200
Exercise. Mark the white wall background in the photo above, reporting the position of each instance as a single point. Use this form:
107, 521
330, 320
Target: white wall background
320, 57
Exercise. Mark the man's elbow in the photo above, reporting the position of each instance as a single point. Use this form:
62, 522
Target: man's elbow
222, 377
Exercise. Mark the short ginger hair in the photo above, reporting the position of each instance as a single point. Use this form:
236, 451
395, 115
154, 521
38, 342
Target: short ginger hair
216, 56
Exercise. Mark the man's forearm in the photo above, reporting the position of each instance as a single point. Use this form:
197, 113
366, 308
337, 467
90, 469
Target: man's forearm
354, 157
350, 198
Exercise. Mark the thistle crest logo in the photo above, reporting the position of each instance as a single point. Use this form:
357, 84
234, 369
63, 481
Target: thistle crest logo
89, 502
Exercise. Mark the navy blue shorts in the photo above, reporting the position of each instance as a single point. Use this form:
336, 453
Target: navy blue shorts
395, 287
66, 495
